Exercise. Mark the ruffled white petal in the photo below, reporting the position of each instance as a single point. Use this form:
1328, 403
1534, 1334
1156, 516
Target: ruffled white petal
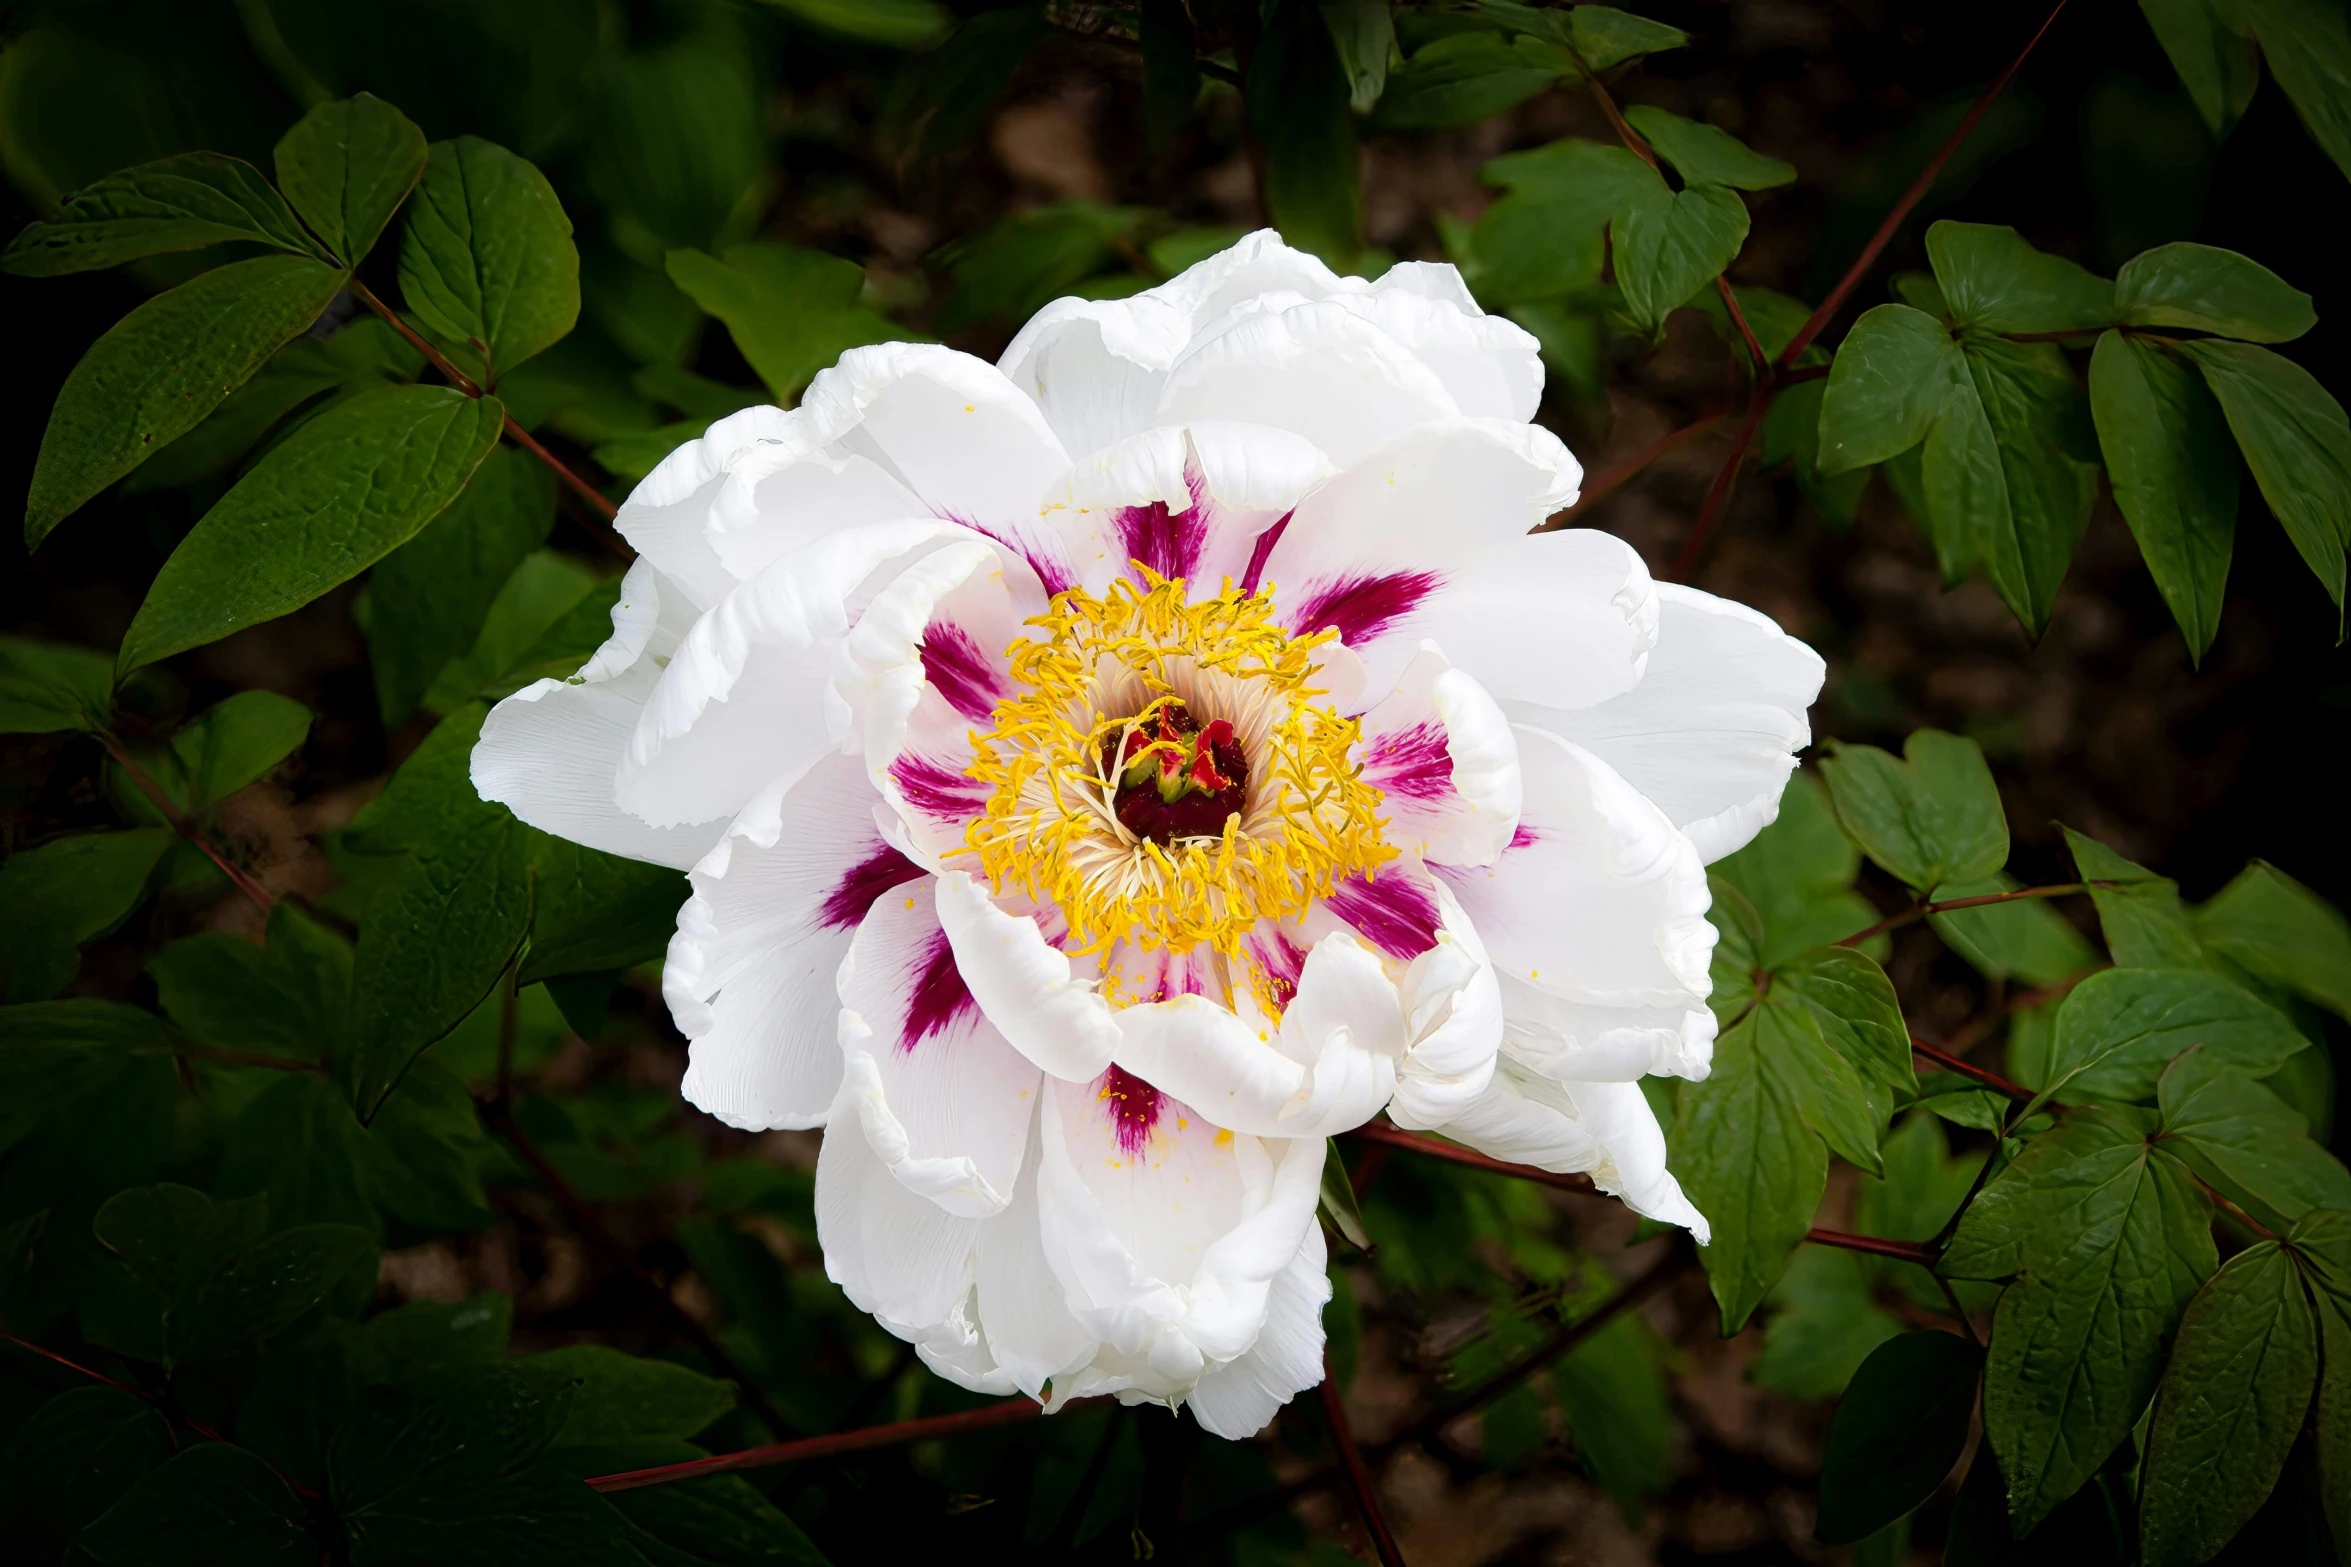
1598, 1042
943, 1100
1599, 898
1240, 1398
1454, 1015
751, 970
667, 516
1604, 1130
1565, 618
1712, 730
1028, 987
898, 1256
1445, 762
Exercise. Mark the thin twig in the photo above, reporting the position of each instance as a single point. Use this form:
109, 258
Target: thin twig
1730, 302
1910, 199
1951, 1063
591, 1225
894, 1435
1902, 1251
1617, 473
1454, 1153
1359, 1476
471, 388
1959, 1311
1718, 494
181, 823
2237, 1213
1919, 911
31, 1348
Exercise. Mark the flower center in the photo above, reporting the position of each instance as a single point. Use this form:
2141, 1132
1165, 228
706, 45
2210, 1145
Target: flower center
1165, 774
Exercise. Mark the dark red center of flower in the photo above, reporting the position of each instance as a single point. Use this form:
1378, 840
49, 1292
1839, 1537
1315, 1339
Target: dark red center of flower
1176, 777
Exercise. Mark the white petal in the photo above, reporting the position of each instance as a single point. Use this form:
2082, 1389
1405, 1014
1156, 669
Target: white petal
1240, 1398
1605, 1130
1492, 366
750, 975
1187, 501
742, 699
1592, 1042
667, 516
1712, 730
1386, 551
1453, 1011
1022, 1310
1095, 365
1445, 762
1026, 985
897, 1256
1565, 618
1317, 368
551, 752
1599, 898
945, 1101
780, 497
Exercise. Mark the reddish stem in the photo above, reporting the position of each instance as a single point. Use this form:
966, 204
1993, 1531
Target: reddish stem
1718, 494
466, 384
1617, 473
1359, 1477
870, 1437
1730, 302
32, 1348
1454, 1153
1919, 911
1910, 199
1952, 1063
181, 824
1906, 1251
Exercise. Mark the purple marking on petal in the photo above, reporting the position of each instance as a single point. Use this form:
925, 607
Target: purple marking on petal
1167, 542
1362, 607
1051, 573
936, 792
1280, 960
1414, 763
1262, 550
1523, 837
940, 999
882, 868
1397, 916
961, 670
1133, 1105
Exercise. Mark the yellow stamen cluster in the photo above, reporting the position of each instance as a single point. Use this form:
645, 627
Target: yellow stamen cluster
1051, 828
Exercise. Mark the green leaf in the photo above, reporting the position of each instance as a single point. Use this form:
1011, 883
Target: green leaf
2209, 289
2111, 1238
285, 998
2138, 911
1706, 154
2279, 931
1929, 819
2026, 940
1901, 1425
1338, 1203
1296, 95
621, 1397
791, 311
1013, 267
2246, 1141
2218, 68
2297, 442
347, 167
53, 1053
1892, 376
65, 892
2308, 46
1798, 875
895, 24
2023, 519
1618, 1408
267, 1287
71, 1459
1670, 244
1854, 1004
159, 370
678, 155
544, 623
48, 686
212, 1505
1605, 37
428, 599
183, 203
2331, 1420
1995, 281
1364, 34
719, 1519
2230, 1407
443, 928
943, 96
486, 258
2118, 1029
167, 1241
1747, 1145
2167, 455
332, 499
597, 911
239, 740
1822, 1321
1530, 245
1462, 79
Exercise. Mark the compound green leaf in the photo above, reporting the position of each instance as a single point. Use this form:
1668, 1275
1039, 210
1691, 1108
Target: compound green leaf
347, 167
2118, 1029
159, 370
62, 893
2208, 289
330, 500
1672, 243
1798, 876
1465, 78
2021, 529
622, 1397
211, 1505
2246, 1141
1931, 818
2278, 930
2026, 940
1892, 377
1854, 1004
1993, 280
1605, 37
1901, 1425
2308, 46
48, 686
486, 258
547, 618
2229, 1408
2331, 1422
679, 151
71, 1460
2167, 456
791, 311
597, 911
1822, 1319
183, 203
2215, 64
53, 1053
2139, 912
2297, 442
1706, 154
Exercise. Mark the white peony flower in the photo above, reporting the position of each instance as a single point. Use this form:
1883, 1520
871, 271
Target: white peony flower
1107, 774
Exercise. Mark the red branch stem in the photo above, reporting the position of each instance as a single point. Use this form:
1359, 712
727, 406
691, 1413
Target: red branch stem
1910, 198
1952, 1063
1454, 1153
858, 1441
181, 824
1718, 494
1905, 1251
1359, 1476
1617, 473
1919, 911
